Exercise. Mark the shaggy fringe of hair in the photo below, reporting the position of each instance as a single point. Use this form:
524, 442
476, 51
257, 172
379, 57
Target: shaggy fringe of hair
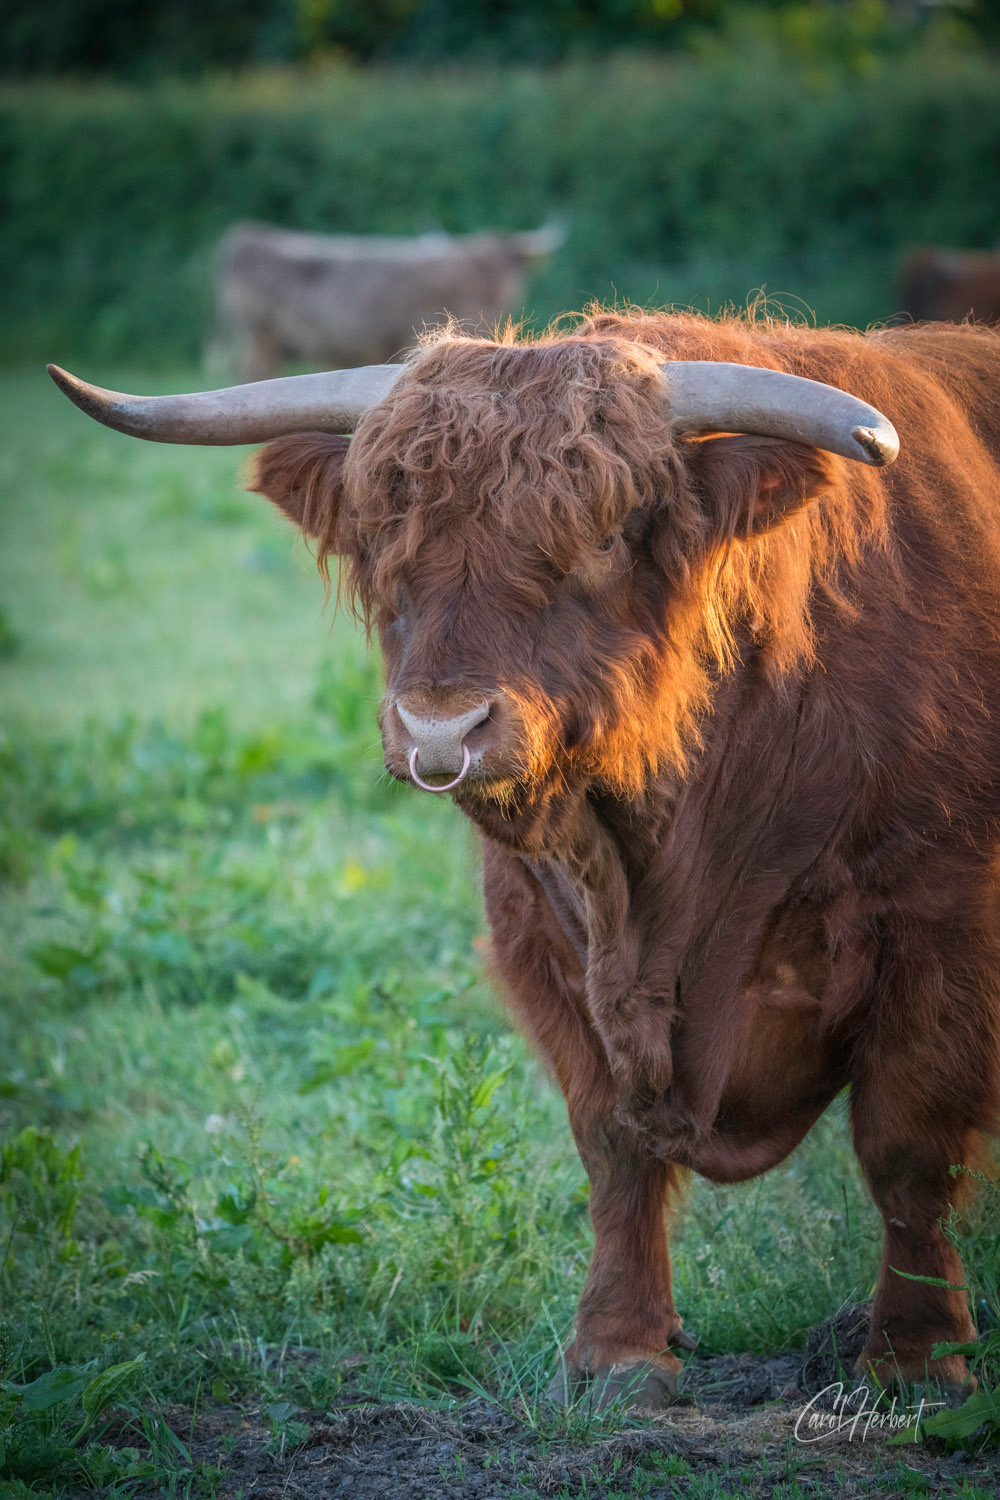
557, 440
553, 442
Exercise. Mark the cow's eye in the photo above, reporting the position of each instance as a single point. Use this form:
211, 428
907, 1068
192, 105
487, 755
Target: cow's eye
596, 563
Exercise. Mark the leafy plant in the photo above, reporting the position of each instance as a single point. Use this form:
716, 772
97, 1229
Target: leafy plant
45, 1422
285, 1432
978, 1416
40, 1191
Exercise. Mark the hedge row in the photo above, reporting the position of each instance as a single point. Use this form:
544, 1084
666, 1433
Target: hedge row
679, 180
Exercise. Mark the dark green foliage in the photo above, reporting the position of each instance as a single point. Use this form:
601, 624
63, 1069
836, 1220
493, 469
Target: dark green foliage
116, 36
9, 642
693, 181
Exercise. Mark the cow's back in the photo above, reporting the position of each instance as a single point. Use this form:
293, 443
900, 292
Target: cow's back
962, 361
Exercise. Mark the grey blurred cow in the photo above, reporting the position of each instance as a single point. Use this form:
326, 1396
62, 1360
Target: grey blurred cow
357, 299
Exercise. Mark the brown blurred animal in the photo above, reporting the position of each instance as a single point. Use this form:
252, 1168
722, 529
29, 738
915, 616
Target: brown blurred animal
357, 299
721, 693
949, 285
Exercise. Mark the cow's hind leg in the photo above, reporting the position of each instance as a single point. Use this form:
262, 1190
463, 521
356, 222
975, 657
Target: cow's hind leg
927, 1087
626, 1323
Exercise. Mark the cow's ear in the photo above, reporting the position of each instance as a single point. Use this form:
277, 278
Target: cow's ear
302, 475
748, 484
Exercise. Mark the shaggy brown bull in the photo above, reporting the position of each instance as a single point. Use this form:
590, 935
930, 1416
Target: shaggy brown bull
722, 694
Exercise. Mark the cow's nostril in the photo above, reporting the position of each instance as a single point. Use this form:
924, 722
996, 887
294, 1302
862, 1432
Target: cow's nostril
484, 718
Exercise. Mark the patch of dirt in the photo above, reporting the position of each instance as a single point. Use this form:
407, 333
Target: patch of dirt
834, 1347
481, 1453
742, 1380
739, 1413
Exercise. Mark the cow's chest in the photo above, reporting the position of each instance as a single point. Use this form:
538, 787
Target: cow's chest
713, 1031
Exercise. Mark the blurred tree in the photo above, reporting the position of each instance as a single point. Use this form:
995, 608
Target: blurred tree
120, 37
544, 30
363, 31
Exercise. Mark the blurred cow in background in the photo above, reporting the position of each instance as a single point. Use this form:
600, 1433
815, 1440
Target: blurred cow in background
945, 286
357, 299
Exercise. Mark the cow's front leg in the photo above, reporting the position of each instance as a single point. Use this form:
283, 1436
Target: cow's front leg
626, 1324
626, 1320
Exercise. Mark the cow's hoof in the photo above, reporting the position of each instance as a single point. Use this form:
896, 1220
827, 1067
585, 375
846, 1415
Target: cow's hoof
650, 1385
942, 1382
928, 1394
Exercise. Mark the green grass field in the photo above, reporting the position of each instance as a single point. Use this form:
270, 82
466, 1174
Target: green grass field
266, 1135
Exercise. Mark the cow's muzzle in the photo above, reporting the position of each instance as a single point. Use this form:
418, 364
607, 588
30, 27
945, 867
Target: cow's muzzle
435, 742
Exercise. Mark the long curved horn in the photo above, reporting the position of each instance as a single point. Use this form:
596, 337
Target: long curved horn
704, 396
710, 396
331, 401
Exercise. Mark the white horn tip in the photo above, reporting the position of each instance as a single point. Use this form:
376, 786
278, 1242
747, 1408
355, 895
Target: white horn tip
879, 448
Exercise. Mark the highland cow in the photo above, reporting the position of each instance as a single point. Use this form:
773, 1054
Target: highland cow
719, 684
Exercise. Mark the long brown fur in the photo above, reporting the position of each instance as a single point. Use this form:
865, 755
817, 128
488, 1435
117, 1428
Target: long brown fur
742, 817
